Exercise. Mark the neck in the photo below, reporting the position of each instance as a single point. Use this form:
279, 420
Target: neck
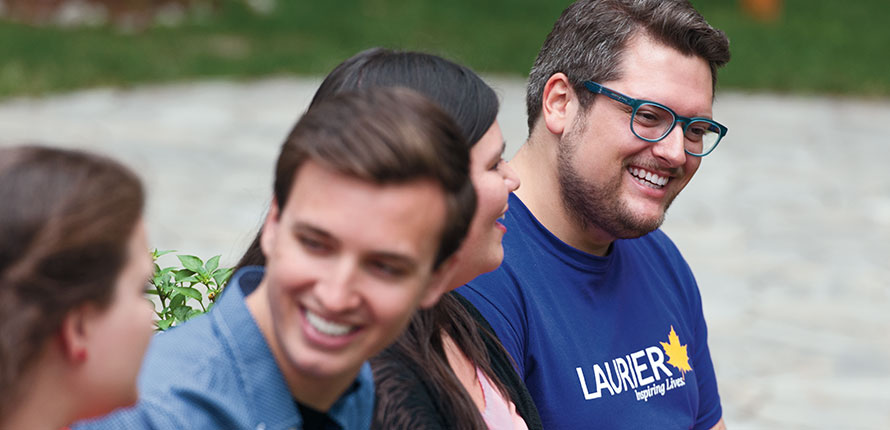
460, 278
537, 166
45, 404
319, 393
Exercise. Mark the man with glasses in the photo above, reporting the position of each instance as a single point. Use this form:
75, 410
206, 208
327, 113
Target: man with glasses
596, 305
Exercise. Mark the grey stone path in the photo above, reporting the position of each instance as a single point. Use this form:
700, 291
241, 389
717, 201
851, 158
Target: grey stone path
786, 225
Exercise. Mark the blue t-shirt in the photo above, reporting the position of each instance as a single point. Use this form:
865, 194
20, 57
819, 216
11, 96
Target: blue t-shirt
614, 342
217, 372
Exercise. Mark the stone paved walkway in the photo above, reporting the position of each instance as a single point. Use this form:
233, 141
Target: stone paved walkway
786, 225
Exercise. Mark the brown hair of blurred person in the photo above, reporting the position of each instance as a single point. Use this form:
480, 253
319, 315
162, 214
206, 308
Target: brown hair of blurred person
74, 322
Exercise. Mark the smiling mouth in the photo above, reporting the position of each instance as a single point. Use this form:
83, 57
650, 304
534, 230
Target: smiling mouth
648, 179
327, 327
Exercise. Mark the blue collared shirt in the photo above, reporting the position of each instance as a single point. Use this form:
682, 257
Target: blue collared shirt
217, 372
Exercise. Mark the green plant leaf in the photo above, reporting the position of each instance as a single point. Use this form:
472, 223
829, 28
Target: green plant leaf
181, 313
221, 276
155, 253
176, 302
161, 275
164, 324
192, 263
182, 274
193, 313
204, 278
212, 264
189, 292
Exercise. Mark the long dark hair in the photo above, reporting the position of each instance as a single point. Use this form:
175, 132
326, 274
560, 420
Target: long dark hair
65, 220
474, 107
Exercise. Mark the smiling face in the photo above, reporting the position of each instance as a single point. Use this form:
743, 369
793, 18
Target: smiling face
613, 182
493, 180
348, 262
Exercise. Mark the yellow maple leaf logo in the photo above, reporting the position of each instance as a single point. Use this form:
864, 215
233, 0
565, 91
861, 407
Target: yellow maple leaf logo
676, 353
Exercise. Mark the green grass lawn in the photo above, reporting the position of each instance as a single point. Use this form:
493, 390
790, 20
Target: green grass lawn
823, 46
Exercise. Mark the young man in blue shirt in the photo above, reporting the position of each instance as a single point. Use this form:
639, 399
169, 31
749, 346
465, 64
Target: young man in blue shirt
593, 301
371, 197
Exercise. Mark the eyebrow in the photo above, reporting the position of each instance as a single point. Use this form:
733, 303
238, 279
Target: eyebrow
397, 258
303, 227
500, 154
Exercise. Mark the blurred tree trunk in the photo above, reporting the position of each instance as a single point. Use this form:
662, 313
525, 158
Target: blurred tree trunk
763, 10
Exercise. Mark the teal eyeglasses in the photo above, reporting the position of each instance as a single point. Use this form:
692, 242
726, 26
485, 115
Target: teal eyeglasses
653, 121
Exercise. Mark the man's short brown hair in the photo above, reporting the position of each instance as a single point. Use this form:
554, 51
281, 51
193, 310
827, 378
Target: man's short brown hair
588, 41
385, 136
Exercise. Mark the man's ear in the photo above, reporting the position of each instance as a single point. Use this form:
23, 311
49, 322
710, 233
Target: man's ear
559, 103
440, 283
74, 333
270, 228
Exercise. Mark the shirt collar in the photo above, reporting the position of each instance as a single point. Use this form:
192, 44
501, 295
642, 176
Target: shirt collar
261, 376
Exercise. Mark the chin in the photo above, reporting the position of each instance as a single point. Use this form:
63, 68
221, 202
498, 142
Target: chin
640, 226
492, 260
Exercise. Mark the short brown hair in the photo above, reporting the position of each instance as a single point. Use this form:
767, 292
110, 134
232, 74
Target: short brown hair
385, 135
589, 38
65, 221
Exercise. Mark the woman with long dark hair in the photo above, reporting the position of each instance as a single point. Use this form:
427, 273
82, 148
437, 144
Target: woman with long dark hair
447, 370
74, 261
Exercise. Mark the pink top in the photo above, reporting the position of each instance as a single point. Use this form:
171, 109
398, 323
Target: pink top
500, 413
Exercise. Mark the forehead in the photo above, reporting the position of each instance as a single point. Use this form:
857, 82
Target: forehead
405, 219
654, 71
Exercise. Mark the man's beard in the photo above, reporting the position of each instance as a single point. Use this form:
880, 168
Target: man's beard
598, 205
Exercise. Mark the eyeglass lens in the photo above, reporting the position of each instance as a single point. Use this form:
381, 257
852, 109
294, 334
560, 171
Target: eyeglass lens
652, 122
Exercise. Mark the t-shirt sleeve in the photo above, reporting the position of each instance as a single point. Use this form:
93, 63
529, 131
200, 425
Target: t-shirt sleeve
709, 409
497, 297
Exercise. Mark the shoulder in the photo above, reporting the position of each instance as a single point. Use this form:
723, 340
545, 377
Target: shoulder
189, 350
189, 375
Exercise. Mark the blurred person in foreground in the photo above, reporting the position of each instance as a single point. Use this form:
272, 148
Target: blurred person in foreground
594, 302
74, 262
365, 216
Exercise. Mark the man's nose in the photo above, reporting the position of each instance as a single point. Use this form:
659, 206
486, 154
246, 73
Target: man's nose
336, 291
671, 149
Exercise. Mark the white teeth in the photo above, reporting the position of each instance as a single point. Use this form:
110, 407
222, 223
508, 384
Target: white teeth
327, 327
651, 178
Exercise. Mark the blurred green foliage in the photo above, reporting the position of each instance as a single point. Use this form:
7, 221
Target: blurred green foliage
815, 46
178, 288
